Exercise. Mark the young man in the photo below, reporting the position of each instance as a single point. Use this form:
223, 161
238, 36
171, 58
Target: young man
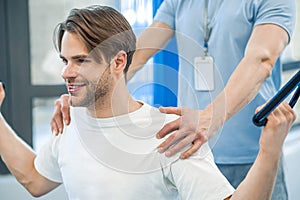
109, 150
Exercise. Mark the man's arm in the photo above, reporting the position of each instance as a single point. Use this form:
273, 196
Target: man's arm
264, 46
198, 177
19, 158
260, 180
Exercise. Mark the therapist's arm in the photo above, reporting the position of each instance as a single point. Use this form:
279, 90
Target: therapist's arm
260, 180
152, 40
19, 158
264, 46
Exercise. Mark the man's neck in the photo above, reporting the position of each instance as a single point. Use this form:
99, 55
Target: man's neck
119, 103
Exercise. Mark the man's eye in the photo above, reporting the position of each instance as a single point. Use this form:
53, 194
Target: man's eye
83, 60
64, 61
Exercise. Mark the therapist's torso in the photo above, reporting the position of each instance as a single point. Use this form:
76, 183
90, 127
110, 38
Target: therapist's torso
232, 23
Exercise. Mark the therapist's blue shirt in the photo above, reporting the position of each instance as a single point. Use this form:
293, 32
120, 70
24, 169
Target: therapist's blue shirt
237, 142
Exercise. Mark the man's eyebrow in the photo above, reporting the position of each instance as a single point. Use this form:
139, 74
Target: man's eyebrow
80, 56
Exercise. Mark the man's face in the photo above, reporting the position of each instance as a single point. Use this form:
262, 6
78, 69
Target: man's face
87, 81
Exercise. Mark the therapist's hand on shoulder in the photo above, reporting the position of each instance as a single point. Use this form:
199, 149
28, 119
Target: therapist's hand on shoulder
61, 115
193, 127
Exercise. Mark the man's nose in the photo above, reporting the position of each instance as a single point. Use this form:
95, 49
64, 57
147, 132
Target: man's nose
69, 71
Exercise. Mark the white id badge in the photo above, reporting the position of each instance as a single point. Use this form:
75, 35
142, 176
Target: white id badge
204, 73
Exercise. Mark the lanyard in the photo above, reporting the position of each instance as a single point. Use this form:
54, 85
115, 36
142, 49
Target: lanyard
208, 27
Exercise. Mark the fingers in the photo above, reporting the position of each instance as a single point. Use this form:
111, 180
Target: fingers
171, 110
55, 128
171, 140
3, 85
194, 148
181, 139
281, 117
61, 114
65, 108
192, 125
168, 128
259, 108
289, 111
274, 133
57, 121
2, 93
179, 146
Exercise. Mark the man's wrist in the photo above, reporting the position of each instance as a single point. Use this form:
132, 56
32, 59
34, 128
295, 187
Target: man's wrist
270, 156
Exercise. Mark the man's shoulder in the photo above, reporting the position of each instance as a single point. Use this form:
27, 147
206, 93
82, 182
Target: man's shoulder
155, 113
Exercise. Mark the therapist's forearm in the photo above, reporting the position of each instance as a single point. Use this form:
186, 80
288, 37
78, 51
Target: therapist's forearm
152, 40
241, 88
140, 58
260, 56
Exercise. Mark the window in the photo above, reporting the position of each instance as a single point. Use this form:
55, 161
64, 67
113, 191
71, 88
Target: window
45, 64
291, 58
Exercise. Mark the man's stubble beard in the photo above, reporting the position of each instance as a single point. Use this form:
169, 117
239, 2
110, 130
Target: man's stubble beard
97, 93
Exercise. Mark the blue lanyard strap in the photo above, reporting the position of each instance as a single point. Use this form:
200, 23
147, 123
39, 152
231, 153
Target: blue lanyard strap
208, 27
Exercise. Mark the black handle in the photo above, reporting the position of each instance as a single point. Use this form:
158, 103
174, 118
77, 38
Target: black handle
260, 118
295, 97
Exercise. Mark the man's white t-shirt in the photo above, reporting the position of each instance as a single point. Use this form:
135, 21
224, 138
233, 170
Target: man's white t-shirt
116, 158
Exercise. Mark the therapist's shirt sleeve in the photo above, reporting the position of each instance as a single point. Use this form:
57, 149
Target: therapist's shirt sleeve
46, 162
279, 12
166, 13
198, 177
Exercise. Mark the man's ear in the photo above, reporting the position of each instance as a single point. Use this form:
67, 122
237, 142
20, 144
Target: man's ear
119, 62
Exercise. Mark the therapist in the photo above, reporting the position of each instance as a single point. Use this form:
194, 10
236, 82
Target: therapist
228, 65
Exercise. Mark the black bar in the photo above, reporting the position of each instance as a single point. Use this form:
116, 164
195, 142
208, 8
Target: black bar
260, 118
294, 99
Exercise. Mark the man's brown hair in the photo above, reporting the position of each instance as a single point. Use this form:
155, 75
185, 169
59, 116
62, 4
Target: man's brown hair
102, 29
